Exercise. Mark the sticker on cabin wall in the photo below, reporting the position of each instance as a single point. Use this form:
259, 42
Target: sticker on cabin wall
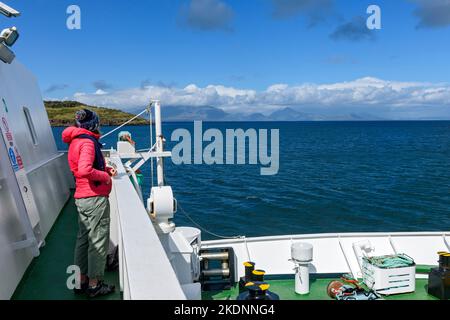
5, 124
8, 134
12, 157
18, 158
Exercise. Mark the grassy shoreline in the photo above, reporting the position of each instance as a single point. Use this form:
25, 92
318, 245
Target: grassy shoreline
62, 114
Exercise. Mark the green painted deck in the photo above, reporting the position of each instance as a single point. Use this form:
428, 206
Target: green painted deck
46, 276
318, 291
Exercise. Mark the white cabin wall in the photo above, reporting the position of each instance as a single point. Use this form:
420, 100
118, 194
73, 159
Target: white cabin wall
51, 187
47, 171
48, 174
20, 89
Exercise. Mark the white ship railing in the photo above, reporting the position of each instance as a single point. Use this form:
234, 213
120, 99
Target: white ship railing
333, 252
145, 270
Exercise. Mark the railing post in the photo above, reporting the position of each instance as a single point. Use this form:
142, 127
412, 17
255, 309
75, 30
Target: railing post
159, 144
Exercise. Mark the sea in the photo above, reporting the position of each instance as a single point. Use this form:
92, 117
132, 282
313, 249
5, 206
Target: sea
381, 176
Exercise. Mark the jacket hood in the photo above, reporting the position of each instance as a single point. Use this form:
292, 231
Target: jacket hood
72, 132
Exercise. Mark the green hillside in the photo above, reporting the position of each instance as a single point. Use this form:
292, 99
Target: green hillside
62, 114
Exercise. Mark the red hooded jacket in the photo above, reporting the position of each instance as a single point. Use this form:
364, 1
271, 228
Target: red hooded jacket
81, 161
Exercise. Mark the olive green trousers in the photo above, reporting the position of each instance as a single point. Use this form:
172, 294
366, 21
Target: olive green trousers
93, 236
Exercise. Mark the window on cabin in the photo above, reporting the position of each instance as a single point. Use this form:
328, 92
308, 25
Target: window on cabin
30, 125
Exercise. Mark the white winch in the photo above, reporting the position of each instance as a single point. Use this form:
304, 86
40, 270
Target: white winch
302, 256
162, 206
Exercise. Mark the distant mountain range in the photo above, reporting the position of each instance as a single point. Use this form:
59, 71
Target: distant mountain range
208, 113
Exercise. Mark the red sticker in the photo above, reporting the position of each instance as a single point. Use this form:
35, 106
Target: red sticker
19, 161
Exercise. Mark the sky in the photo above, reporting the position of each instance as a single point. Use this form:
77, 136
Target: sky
242, 56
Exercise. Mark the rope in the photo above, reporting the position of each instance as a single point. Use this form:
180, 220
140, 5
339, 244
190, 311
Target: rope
200, 226
206, 230
389, 262
124, 124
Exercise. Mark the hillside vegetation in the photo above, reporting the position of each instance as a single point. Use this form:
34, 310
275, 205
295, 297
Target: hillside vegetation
62, 114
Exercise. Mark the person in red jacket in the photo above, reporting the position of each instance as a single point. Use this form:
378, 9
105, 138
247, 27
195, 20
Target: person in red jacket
93, 186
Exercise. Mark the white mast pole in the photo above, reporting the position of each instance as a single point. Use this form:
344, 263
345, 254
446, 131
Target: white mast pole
159, 144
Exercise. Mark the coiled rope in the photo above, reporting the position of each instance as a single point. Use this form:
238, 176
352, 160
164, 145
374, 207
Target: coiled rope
390, 262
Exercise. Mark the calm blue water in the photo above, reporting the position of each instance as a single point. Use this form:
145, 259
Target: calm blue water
334, 177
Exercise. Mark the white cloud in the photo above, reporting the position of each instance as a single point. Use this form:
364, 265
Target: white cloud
100, 92
365, 94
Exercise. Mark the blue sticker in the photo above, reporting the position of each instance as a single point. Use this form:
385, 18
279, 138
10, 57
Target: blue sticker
13, 158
